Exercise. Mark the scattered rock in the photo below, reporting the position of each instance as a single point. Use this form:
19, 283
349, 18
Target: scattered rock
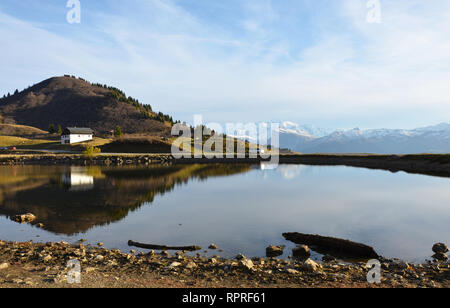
292, 271
99, 258
240, 257
191, 265
213, 247
47, 258
40, 225
174, 264
400, 264
165, 253
274, 251
4, 266
100, 244
246, 263
301, 252
24, 218
440, 256
311, 266
440, 248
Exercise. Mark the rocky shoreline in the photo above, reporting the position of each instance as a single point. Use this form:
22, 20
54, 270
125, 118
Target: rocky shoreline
45, 265
430, 164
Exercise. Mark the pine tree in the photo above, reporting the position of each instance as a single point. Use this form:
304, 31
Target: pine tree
59, 130
51, 129
118, 132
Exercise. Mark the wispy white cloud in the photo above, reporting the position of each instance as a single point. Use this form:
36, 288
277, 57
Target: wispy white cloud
254, 67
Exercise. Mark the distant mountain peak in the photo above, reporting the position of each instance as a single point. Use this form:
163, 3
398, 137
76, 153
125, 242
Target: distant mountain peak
430, 139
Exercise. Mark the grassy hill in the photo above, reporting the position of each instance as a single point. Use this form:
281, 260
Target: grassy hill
70, 101
21, 131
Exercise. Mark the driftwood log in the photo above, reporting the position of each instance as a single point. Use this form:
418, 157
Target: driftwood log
330, 245
162, 247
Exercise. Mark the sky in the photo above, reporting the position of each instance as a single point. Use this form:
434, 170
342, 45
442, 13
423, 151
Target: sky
314, 62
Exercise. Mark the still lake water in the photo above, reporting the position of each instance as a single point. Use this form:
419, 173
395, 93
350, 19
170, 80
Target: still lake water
242, 209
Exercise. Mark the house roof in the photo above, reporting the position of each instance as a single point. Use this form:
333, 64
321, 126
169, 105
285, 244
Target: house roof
78, 131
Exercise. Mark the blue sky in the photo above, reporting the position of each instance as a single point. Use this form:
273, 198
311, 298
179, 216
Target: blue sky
307, 61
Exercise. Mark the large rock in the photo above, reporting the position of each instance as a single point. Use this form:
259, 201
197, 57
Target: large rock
440, 248
274, 251
24, 218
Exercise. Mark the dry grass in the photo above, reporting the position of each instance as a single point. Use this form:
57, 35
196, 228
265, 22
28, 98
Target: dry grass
12, 141
20, 130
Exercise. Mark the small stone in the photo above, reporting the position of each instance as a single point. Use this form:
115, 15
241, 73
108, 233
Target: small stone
4, 266
246, 263
174, 265
240, 257
292, 271
311, 266
213, 247
40, 225
191, 265
100, 244
17, 281
165, 253
99, 258
440, 248
274, 251
47, 258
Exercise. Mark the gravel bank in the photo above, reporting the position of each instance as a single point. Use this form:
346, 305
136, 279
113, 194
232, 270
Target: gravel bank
44, 265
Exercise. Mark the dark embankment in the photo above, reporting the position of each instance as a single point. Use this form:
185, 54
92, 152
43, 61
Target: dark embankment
138, 145
429, 164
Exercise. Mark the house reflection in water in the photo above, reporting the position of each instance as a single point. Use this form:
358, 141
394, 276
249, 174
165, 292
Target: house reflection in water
78, 179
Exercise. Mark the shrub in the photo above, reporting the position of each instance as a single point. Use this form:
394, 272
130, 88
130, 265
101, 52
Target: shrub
91, 151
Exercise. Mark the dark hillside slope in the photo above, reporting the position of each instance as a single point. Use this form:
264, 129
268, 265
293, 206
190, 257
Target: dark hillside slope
69, 101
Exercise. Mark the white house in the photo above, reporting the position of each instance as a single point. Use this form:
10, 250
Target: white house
76, 134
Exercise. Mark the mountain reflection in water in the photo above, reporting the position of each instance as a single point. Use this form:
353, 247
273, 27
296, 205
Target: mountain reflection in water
71, 200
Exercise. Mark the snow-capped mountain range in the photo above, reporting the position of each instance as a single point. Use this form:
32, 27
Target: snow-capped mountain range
308, 139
